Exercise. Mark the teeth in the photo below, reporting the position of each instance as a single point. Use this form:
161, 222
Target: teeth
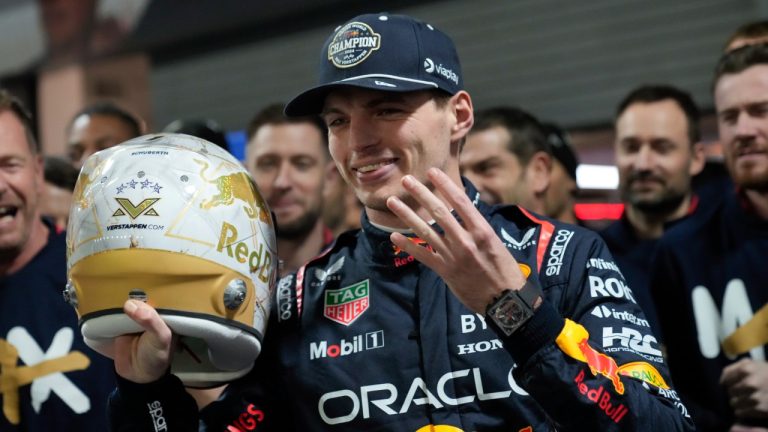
5, 210
371, 167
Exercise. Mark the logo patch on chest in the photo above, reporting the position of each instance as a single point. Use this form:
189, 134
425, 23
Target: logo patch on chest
345, 305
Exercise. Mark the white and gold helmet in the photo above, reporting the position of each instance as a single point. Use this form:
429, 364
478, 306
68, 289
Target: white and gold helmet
177, 222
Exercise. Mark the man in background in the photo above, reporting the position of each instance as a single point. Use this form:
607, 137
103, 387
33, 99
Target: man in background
50, 379
289, 160
60, 179
100, 126
657, 153
561, 194
710, 275
507, 157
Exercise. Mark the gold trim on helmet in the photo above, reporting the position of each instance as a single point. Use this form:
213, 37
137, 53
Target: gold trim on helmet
171, 281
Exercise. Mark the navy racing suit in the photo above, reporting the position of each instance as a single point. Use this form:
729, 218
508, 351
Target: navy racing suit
365, 337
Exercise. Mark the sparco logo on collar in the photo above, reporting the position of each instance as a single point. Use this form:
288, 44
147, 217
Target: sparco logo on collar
352, 44
556, 254
345, 305
284, 298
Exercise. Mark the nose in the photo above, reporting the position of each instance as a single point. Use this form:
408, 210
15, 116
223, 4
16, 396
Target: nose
283, 179
644, 158
746, 126
362, 132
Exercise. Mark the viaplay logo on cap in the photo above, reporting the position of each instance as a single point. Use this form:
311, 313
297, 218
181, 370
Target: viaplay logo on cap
352, 44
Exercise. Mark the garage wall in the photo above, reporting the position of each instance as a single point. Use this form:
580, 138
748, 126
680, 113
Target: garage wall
565, 61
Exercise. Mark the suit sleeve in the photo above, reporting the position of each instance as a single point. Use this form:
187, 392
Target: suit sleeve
588, 355
247, 403
163, 405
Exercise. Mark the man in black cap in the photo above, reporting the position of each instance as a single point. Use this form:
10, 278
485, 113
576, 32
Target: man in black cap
512, 158
442, 313
507, 157
561, 195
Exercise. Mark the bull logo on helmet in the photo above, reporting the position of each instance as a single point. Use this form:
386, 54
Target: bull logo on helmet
235, 186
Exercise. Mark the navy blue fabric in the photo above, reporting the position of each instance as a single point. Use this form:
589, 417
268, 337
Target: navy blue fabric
383, 52
719, 260
634, 257
415, 356
32, 315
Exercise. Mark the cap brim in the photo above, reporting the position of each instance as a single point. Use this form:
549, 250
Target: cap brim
311, 101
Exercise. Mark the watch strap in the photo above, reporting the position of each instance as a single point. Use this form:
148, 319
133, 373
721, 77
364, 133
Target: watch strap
529, 293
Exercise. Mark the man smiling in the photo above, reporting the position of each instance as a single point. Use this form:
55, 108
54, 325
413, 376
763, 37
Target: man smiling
50, 379
709, 279
424, 319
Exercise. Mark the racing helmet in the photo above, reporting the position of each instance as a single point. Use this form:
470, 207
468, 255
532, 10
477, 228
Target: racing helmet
177, 222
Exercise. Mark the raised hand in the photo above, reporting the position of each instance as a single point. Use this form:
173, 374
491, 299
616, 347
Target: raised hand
469, 256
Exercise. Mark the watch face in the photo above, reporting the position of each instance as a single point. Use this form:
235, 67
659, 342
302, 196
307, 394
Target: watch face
510, 313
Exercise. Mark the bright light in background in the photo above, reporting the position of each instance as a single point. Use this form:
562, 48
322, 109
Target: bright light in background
597, 176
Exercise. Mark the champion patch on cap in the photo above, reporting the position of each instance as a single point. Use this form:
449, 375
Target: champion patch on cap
352, 44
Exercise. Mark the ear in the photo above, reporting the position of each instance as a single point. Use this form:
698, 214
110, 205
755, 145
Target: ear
461, 104
698, 158
538, 173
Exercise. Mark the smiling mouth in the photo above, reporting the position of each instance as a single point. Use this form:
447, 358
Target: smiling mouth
374, 166
750, 152
8, 211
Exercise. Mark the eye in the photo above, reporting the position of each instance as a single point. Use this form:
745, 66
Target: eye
264, 164
728, 117
758, 110
630, 146
663, 146
12, 164
487, 168
388, 111
304, 163
332, 121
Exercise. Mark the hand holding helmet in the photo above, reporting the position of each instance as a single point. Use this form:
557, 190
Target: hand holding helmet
176, 222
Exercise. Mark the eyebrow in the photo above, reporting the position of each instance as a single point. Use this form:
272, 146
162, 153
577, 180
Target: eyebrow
383, 99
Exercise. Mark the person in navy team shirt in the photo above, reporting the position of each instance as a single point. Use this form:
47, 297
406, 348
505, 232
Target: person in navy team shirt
710, 274
56, 381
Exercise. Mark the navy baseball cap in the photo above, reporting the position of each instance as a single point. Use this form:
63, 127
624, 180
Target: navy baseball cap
382, 52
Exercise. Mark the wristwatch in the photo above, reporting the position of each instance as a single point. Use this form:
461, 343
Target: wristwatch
513, 308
